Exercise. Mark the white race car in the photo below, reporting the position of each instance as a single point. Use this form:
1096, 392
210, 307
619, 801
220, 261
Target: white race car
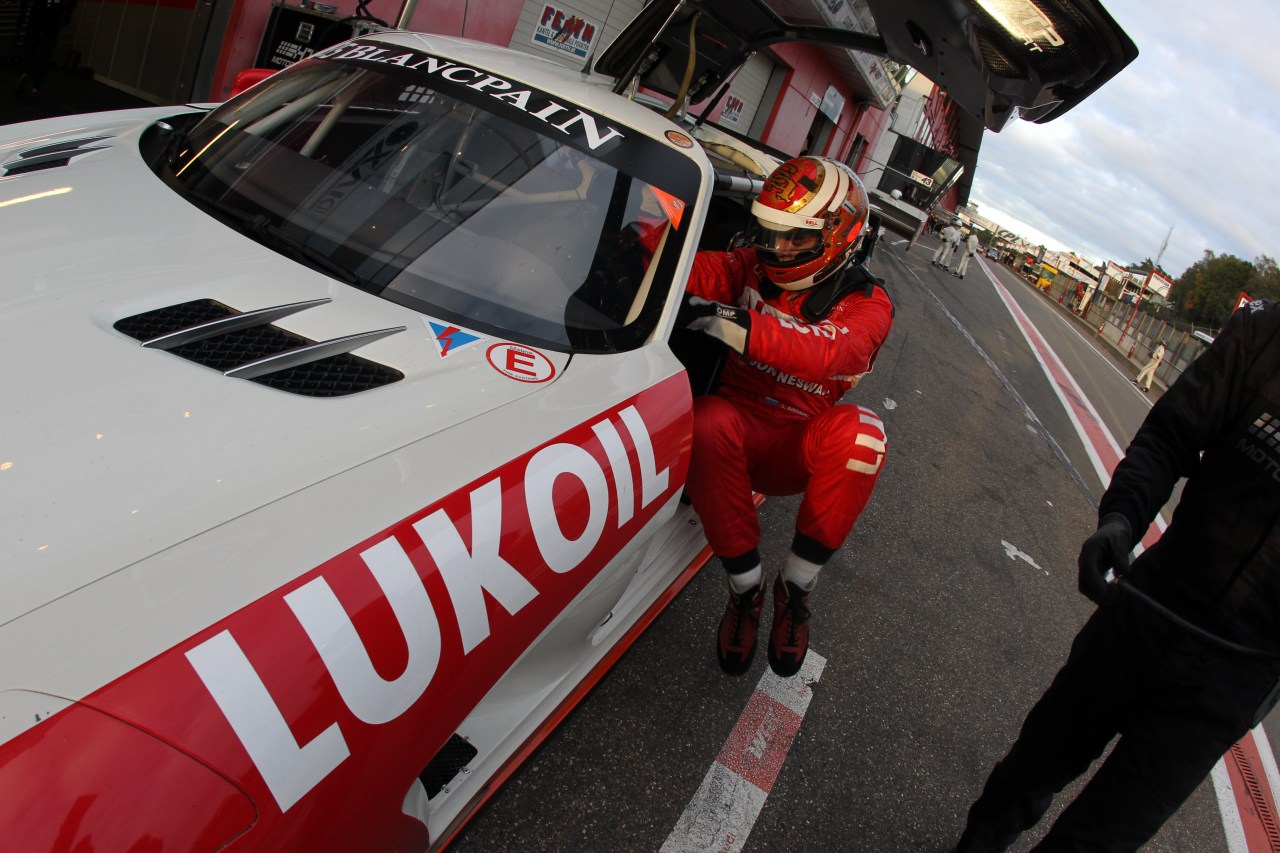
343, 441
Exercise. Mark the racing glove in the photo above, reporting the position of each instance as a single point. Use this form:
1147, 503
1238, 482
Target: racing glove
728, 323
1107, 548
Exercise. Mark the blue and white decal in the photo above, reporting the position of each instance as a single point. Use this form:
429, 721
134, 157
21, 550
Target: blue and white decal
449, 338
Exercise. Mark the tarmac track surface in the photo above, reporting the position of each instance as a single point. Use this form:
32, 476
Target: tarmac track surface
940, 621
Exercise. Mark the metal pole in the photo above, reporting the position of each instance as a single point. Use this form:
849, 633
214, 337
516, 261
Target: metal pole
406, 12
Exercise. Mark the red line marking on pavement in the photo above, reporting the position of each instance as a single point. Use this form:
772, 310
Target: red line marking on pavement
759, 743
1253, 796
1095, 433
724, 809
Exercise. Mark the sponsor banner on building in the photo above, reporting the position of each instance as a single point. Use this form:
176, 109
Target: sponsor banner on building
841, 15
831, 104
563, 29
732, 112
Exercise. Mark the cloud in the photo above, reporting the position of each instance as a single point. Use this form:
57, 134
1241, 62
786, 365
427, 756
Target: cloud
1183, 137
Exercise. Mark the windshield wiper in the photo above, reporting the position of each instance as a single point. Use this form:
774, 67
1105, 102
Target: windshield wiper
173, 140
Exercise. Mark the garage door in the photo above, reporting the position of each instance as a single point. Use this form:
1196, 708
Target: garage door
746, 93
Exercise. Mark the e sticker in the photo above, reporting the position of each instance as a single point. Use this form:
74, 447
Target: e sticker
521, 363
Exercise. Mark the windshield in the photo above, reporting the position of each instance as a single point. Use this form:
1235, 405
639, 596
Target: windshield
464, 206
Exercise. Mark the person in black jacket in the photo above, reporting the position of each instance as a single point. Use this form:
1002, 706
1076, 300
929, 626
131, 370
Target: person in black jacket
1182, 657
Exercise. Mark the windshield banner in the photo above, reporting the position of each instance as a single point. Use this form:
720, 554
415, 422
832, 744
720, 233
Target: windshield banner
585, 128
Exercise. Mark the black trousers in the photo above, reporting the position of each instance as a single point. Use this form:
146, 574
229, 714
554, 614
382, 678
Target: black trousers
1177, 705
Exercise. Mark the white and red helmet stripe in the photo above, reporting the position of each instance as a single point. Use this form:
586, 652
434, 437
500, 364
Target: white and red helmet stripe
811, 209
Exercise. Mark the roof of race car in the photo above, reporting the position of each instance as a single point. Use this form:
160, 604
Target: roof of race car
588, 90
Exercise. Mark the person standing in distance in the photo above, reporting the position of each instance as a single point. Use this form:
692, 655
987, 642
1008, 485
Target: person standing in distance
968, 248
1148, 371
950, 237
804, 321
1182, 657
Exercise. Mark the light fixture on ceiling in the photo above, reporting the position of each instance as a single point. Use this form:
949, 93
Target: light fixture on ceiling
1025, 21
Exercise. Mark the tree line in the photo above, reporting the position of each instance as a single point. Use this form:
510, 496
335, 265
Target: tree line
1206, 293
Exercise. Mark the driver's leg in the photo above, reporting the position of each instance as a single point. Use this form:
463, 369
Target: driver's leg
719, 485
835, 459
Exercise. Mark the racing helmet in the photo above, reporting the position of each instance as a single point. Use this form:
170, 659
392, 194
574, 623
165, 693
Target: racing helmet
810, 218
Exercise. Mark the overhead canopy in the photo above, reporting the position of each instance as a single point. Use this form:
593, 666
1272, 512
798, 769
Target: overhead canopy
994, 58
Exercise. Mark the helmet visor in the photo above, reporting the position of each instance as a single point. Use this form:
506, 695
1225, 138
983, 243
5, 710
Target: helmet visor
786, 247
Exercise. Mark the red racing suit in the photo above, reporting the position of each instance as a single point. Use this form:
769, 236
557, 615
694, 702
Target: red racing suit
773, 425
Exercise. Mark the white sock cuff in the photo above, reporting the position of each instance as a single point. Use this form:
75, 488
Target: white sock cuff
800, 572
745, 581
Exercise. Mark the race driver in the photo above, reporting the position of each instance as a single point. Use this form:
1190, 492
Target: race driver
804, 323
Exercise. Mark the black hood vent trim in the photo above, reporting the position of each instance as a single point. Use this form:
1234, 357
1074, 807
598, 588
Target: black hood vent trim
51, 156
246, 346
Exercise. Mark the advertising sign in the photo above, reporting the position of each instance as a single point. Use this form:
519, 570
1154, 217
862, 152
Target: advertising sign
294, 33
831, 105
564, 30
732, 111
921, 178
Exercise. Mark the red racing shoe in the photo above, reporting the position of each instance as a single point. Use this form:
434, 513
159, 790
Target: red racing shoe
736, 641
789, 639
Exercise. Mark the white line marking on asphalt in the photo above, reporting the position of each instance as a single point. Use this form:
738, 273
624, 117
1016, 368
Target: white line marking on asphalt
1268, 757
1011, 551
1096, 347
1232, 827
1043, 352
732, 794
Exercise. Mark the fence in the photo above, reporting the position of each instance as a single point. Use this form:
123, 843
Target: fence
1133, 334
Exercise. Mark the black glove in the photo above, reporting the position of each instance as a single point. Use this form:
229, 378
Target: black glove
729, 323
1107, 548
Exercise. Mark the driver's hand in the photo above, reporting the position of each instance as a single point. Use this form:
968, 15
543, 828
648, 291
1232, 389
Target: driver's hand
728, 323
1107, 548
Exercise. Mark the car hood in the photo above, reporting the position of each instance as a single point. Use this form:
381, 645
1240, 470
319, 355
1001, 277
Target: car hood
111, 452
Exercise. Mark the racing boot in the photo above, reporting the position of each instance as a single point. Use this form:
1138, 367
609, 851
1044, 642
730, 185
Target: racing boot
736, 641
789, 639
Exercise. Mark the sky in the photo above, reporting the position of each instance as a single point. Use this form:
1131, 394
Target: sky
1187, 135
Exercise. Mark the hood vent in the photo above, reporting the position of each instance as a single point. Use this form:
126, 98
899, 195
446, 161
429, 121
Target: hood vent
246, 346
51, 156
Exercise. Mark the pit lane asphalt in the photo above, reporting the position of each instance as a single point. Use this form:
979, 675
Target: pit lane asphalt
937, 640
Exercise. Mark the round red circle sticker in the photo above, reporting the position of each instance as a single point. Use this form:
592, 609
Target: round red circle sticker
521, 363
677, 138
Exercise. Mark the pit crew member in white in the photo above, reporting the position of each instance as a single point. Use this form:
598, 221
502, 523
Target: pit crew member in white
804, 323
950, 239
968, 248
